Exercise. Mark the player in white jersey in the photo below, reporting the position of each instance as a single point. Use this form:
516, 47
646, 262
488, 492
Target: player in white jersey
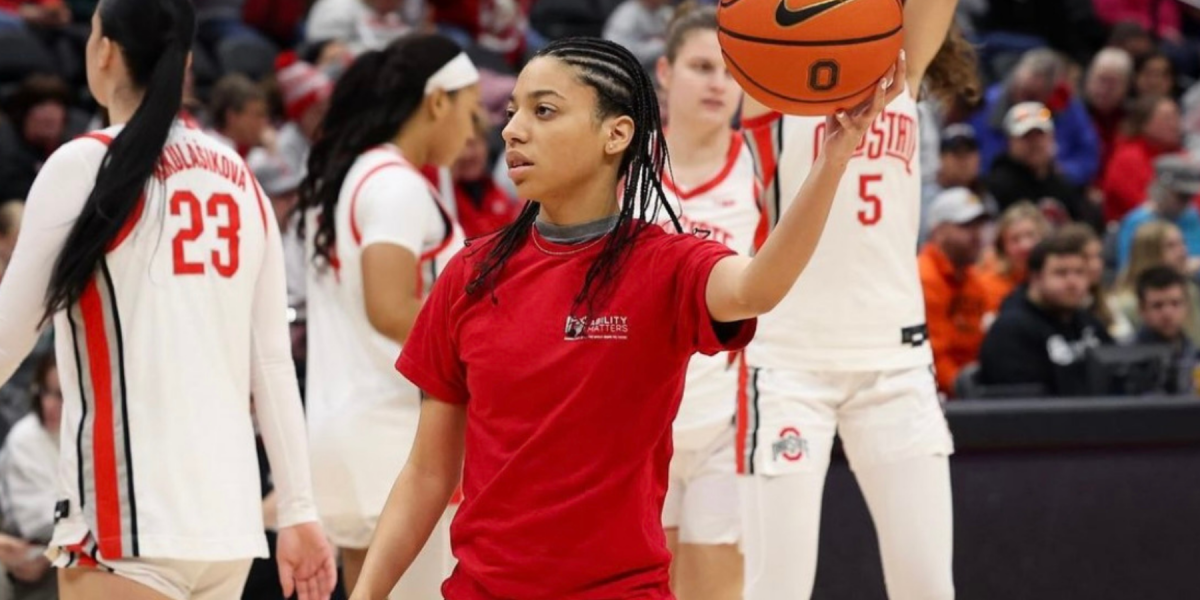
712, 187
153, 249
847, 351
378, 236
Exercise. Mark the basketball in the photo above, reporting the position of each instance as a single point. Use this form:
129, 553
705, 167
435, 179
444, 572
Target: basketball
810, 57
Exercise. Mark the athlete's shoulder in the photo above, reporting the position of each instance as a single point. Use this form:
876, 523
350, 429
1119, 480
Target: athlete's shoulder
91, 145
382, 166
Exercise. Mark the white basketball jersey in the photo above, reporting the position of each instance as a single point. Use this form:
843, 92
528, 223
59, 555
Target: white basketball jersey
858, 305
158, 448
351, 371
725, 208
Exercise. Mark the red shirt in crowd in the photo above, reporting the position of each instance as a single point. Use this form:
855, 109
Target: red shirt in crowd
569, 412
1128, 176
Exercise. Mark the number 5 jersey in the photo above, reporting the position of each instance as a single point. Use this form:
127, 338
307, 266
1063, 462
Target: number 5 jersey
858, 306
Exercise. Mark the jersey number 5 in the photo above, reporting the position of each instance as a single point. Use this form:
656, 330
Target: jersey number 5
873, 211
226, 263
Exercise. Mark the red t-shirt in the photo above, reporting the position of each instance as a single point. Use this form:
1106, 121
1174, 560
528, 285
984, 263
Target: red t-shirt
568, 415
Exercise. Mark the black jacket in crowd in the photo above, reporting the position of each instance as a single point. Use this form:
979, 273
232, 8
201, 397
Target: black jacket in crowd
1010, 182
1028, 346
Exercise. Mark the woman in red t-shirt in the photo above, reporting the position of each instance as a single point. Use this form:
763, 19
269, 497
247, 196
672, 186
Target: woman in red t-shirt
556, 349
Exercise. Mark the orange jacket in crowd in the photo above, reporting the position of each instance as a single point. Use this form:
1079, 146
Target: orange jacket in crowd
998, 283
958, 308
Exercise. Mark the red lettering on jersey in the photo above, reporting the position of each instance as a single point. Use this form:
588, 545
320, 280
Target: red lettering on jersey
182, 157
892, 135
713, 232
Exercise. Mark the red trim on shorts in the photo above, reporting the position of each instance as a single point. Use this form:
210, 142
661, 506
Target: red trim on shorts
743, 413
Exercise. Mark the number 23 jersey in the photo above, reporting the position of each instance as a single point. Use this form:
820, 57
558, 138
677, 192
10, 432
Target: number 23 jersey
858, 305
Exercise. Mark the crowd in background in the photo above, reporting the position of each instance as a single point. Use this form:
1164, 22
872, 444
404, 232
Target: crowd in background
1060, 221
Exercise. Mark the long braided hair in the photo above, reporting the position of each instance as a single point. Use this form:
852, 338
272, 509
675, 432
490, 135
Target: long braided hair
622, 87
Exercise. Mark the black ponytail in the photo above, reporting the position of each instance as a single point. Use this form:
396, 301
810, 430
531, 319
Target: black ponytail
370, 103
154, 38
622, 88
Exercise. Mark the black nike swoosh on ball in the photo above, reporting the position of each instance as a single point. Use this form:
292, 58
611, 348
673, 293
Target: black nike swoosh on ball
787, 17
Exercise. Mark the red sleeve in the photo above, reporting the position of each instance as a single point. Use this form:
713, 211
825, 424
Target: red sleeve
1125, 181
430, 357
762, 134
706, 336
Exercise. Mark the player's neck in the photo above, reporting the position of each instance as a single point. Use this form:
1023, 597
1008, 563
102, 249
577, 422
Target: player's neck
694, 145
122, 104
413, 142
585, 204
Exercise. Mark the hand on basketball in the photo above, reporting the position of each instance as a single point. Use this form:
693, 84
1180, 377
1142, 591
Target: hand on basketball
306, 564
845, 129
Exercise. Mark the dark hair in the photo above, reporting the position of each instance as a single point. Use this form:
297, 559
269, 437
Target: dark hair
1141, 110
622, 87
41, 373
1056, 244
372, 100
36, 89
233, 92
688, 17
1159, 278
154, 38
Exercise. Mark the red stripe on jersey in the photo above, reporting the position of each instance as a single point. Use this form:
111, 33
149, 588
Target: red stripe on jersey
759, 132
731, 157
129, 224
108, 503
743, 413
103, 138
354, 231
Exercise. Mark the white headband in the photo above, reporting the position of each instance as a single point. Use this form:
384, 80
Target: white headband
454, 75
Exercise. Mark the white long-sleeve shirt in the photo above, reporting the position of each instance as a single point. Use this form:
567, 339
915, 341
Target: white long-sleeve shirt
29, 480
184, 319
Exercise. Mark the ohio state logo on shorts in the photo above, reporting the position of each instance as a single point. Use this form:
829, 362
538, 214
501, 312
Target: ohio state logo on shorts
790, 445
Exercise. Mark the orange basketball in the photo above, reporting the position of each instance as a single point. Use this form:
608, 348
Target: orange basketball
810, 57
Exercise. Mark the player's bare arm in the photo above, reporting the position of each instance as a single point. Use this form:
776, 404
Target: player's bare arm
925, 25
418, 498
740, 287
392, 303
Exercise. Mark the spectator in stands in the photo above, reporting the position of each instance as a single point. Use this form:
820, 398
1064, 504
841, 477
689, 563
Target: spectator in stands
482, 206
1104, 92
1156, 243
33, 13
1042, 337
958, 159
957, 306
497, 26
1041, 76
1162, 19
1152, 130
279, 20
1163, 305
1100, 302
1176, 182
1019, 229
1190, 106
364, 24
239, 112
306, 92
10, 225
37, 126
641, 26
29, 485
1153, 76
1027, 170
281, 182
1132, 38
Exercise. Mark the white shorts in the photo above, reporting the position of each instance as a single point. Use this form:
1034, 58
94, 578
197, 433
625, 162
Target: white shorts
702, 493
175, 579
355, 460
788, 418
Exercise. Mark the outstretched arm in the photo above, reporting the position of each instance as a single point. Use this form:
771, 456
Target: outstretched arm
742, 288
925, 25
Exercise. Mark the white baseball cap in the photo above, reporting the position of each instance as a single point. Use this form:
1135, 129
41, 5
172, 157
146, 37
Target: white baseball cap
958, 206
1026, 117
